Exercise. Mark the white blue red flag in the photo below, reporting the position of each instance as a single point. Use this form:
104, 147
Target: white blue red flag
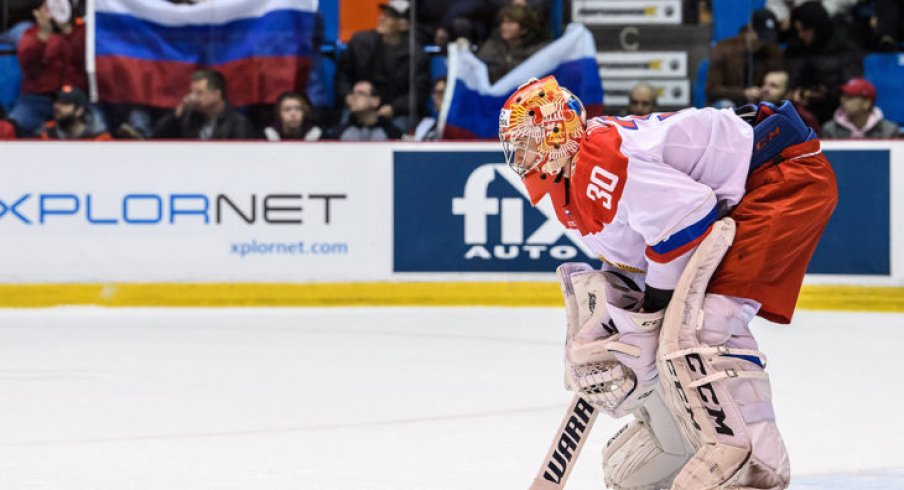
471, 109
146, 50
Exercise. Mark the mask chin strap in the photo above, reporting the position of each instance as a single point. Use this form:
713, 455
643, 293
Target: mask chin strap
559, 178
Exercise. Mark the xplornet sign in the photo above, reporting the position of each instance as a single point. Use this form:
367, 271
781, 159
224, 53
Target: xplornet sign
463, 212
157, 209
191, 212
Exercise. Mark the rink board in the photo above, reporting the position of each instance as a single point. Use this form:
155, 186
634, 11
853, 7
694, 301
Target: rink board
133, 222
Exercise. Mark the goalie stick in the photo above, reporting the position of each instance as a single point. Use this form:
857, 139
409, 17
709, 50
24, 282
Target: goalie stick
566, 445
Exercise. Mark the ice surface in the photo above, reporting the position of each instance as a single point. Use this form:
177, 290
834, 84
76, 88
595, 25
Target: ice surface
381, 398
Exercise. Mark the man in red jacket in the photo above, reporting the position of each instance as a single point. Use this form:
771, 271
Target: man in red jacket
51, 54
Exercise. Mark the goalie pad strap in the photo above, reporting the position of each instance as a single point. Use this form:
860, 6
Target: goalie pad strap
630, 350
728, 373
722, 351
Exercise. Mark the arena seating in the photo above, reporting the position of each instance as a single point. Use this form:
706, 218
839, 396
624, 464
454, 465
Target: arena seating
10, 76
886, 71
730, 15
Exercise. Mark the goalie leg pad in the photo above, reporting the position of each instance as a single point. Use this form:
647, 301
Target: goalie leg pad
715, 382
725, 324
648, 452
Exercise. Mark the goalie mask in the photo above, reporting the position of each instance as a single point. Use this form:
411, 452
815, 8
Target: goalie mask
540, 124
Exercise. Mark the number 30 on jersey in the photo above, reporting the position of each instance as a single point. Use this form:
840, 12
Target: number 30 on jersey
602, 185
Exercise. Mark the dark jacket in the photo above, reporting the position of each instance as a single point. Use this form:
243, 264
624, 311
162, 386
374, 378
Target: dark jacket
830, 67
729, 70
826, 64
230, 125
386, 66
52, 132
383, 130
501, 57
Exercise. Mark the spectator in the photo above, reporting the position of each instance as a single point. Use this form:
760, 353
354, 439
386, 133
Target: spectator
819, 60
858, 116
293, 120
859, 25
427, 129
444, 21
382, 57
889, 24
7, 129
642, 100
71, 116
430, 14
457, 19
782, 9
516, 40
204, 113
775, 90
541, 10
739, 63
51, 54
697, 12
365, 122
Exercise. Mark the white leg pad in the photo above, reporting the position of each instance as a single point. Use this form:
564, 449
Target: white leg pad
714, 381
648, 452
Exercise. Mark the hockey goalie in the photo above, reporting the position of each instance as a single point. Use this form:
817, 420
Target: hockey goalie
703, 219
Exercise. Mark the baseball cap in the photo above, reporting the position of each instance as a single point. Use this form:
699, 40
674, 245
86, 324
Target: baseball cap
396, 8
859, 87
69, 94
766, 25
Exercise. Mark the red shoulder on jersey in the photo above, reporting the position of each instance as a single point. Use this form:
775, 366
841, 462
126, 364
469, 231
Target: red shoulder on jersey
600, 174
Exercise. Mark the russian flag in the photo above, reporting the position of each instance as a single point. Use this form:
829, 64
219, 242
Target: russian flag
147, 50
471, 109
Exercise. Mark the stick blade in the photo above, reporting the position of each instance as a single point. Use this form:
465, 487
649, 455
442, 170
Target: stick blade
544, 484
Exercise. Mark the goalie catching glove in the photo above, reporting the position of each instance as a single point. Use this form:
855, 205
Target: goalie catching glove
610, 350
610, 360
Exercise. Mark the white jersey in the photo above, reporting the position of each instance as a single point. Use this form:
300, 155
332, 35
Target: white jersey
645, 190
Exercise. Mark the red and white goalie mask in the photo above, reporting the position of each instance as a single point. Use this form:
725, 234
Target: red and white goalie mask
539, 125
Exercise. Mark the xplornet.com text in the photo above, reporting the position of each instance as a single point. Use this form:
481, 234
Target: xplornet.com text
254, 247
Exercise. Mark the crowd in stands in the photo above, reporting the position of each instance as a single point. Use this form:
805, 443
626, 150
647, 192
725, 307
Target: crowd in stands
373, 93
808, 51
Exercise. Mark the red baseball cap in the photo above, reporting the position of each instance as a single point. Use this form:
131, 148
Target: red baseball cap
859, 87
